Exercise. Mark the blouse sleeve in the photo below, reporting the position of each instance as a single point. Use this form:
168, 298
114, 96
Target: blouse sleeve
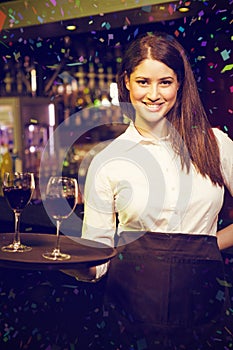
226, 157
99, 222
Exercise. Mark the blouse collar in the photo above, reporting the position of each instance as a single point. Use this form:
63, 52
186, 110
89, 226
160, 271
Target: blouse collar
133, 133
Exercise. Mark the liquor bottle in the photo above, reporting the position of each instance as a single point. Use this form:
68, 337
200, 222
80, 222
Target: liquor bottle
6, 164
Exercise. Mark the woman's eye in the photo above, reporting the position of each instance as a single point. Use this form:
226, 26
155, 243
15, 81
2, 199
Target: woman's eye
142, 82
166, 82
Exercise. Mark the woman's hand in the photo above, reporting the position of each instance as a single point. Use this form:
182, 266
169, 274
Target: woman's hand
225, 237
83, 273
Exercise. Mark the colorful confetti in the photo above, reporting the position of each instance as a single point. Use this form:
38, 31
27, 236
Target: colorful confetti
36, 309
2, 19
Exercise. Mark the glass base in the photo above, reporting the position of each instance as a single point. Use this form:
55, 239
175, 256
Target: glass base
56, 255
16, 248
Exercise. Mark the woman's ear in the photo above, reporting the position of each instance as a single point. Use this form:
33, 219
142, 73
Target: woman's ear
126, 78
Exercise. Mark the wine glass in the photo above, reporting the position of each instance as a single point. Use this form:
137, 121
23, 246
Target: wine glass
17, 189
60, 202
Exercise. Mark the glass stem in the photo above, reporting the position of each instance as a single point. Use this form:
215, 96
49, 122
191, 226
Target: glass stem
17, 222
57, 248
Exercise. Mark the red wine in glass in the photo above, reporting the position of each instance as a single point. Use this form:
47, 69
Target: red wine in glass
17, 198
17, 189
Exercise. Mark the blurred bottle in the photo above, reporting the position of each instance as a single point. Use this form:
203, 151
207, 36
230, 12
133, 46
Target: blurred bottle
6, 163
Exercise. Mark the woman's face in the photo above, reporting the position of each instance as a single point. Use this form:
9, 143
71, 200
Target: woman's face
153, 91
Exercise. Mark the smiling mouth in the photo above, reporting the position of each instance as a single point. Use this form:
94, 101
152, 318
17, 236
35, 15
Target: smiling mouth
153, 107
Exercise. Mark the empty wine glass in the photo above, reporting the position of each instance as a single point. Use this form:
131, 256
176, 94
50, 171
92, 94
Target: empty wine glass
17, 189
60, 202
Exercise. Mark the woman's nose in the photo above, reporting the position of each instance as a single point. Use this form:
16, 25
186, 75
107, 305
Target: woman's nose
153, 92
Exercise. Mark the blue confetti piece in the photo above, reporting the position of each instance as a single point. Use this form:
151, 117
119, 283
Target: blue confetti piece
101, 325
220, 295
141, 344
40, 19
136, 32
225, 54
108, 26
146, 8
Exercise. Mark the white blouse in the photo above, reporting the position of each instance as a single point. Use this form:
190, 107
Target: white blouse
142, 180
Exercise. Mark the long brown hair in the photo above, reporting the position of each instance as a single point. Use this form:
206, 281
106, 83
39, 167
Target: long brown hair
197, 142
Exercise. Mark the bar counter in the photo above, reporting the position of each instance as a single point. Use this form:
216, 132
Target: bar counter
40, 306
34, 219
48, 310
45, 309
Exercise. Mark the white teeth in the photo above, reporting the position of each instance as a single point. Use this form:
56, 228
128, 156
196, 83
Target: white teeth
155, 107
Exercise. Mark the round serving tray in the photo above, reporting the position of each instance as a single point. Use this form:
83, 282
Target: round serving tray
82, 251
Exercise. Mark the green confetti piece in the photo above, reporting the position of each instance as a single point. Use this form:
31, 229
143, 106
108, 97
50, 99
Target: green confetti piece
120, 256
223, 283
101, 325
227, 67
69, 286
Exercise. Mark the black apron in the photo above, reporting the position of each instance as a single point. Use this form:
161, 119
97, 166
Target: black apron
166, 291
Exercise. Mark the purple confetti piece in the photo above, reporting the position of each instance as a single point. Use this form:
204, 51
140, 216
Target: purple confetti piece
48, 348
20, 16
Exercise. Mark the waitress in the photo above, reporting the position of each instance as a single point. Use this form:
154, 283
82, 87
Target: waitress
155, 193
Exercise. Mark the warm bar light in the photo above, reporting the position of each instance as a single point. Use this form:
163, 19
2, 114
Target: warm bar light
184, 6
33, 82
51, 114
51, 125
71, 27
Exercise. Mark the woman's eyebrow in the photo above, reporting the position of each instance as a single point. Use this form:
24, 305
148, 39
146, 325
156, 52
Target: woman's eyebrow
168, 77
